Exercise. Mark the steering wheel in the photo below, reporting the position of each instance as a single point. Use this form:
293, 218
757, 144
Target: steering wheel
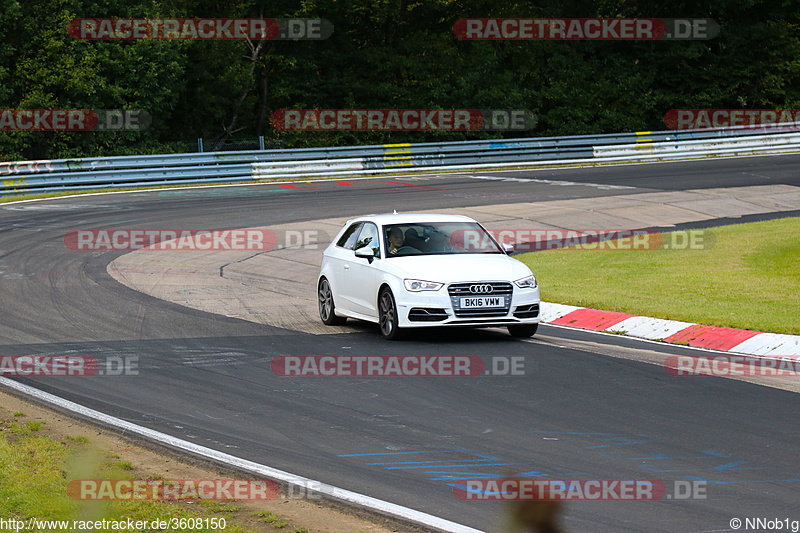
407, 250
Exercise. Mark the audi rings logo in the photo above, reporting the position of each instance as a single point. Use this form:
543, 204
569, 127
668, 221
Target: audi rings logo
480, 289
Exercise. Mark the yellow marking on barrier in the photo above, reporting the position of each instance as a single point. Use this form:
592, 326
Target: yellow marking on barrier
402, 155
17, 186
643, 132
15, 183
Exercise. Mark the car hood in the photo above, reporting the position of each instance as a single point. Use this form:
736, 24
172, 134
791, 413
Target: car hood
461, 267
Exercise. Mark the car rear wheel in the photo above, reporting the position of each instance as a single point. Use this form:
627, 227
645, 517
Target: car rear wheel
520, 331
327, 309
387, 314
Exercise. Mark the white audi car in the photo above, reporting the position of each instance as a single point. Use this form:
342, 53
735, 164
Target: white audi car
418, 270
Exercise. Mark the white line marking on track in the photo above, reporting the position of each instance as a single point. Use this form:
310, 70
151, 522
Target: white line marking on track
551, 182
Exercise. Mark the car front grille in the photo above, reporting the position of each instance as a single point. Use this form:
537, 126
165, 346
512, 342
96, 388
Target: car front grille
480, 289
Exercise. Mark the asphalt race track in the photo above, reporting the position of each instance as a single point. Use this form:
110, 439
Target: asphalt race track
587, 406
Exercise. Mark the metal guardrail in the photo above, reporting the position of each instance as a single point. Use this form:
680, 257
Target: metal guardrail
30, 177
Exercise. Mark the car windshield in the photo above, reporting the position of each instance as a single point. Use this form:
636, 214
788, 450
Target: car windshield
439, 238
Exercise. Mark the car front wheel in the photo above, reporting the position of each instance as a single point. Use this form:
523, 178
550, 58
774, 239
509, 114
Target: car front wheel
327, 310
387, 314
527, 330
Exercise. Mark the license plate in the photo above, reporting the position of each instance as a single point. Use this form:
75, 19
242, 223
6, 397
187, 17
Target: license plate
483, 301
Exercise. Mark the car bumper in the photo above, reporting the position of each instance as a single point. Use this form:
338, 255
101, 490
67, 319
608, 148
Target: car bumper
419, 310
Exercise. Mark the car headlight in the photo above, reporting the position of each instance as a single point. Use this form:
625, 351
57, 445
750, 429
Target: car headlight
528, 282
416, 285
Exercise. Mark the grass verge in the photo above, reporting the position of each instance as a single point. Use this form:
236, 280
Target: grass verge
35, 470
746, 276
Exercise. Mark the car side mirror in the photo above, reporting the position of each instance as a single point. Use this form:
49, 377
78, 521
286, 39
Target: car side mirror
366, 253
508, 247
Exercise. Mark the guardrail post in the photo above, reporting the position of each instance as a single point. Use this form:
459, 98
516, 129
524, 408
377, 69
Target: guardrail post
200, 144
261, 142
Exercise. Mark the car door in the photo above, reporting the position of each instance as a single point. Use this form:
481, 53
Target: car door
361, 275
339, 257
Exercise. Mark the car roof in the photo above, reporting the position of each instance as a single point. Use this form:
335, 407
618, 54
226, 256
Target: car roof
411, 218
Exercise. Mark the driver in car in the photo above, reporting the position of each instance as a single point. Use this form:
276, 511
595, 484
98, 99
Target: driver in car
398, 244
395, 238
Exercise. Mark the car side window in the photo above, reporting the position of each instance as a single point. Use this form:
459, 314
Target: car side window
348, 238
369, 237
